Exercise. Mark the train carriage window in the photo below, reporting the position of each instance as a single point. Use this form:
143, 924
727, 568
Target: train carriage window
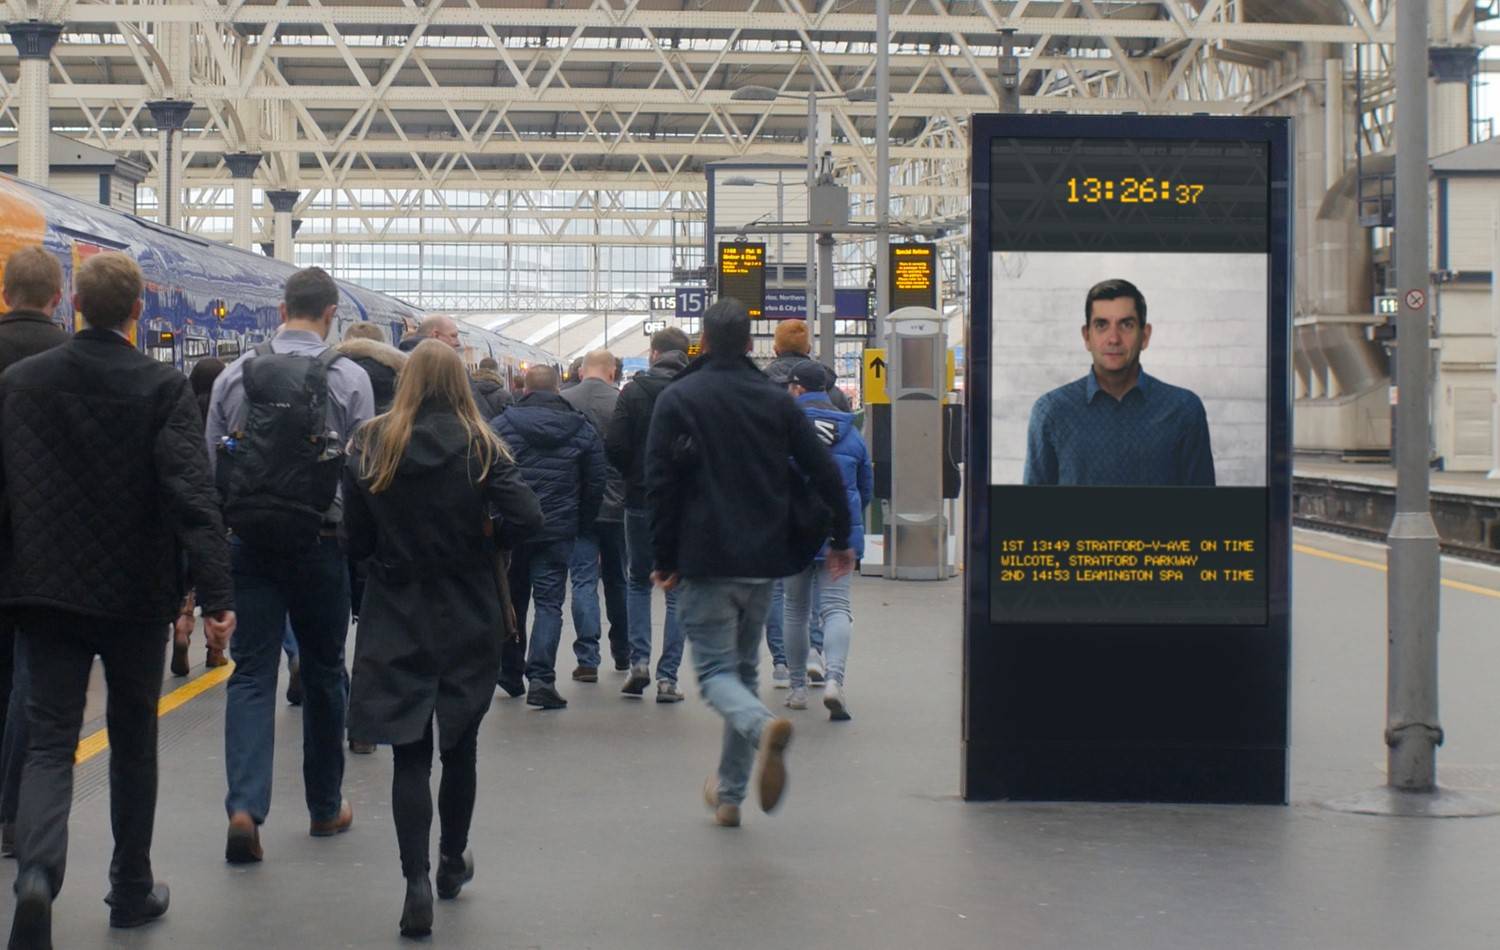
228, 350
161, 345
195, 347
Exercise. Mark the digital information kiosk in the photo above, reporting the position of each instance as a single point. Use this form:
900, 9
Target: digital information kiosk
1128, 546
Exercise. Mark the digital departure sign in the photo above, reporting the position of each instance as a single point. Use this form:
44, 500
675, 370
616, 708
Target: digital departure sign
742, 275
1129, 486
913, 275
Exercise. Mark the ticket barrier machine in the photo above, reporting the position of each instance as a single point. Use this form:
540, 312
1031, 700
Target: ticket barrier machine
916, 529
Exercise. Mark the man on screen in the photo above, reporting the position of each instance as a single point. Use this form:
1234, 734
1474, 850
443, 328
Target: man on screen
1117, 425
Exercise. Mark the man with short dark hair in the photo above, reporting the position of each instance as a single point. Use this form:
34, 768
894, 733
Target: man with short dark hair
308, 585
562, 459
1118, 425
33, 287
625, 444
718, 482
106, 489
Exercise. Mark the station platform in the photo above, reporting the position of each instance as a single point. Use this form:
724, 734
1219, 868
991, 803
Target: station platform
590, 832
1383, 475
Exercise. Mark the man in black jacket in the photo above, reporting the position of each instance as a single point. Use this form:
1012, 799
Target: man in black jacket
33, 289
106, 485
562, 459
625, 444
721, 494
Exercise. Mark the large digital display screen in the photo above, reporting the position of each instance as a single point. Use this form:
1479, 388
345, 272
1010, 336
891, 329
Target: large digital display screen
1128, 307
742, 275
1128, 491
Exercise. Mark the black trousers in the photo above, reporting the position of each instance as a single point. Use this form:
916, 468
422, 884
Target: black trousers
513, 652
411, 798
612, 573
58, 649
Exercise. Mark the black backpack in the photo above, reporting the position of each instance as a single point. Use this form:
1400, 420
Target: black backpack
279, 473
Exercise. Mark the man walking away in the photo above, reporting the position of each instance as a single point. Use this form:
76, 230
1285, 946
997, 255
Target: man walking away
490, 391
106, 488
722, 524
561, 458
33, 289
625, 444
277, 425
599, 552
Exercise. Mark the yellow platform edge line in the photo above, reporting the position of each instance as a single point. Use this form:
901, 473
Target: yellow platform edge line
95, 743
1376, 565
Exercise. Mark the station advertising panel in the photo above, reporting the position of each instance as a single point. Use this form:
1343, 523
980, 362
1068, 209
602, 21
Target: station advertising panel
742, 275
1129, 490
913, 275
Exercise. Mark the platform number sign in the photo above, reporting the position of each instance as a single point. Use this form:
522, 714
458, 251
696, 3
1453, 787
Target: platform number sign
1129, 531
691, 302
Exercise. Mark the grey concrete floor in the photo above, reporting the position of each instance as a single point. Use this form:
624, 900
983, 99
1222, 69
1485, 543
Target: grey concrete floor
590, 832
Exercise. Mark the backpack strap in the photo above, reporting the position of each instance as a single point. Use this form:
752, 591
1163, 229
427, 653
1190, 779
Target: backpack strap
262, 349
329, 356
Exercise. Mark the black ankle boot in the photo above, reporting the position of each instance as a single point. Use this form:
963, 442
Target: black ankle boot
416, 913
453, 873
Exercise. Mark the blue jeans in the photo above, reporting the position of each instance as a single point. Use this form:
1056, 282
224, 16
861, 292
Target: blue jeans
289, 641
638, 601
546, 575
776, 624
723, 620
805, 601
312, 589
598, 556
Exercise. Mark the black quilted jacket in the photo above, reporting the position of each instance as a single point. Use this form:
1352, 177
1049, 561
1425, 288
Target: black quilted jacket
105, 484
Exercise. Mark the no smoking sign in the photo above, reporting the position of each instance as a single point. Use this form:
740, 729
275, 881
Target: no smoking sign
1415, 299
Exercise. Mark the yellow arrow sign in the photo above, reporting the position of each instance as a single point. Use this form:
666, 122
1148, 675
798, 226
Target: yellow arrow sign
877, 371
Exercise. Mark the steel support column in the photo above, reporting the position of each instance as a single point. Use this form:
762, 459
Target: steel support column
242, 166
882, 164
282, 202
34, 41
170, 115
1413, 732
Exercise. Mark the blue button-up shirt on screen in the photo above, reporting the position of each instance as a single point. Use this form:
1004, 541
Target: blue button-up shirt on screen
1156, 435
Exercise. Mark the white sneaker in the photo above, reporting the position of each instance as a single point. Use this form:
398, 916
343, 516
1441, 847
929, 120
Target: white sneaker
815, 670
797, 699
833, 701
781, 676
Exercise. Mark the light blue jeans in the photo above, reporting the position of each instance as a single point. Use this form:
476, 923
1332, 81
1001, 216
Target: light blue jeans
815, 591
638, 600
723, 619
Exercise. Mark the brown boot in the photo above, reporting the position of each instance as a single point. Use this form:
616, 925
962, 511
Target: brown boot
216, 657
243, 844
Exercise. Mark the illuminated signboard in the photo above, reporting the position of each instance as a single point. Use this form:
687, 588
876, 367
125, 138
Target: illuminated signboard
1128, 496
742, 275
913, 275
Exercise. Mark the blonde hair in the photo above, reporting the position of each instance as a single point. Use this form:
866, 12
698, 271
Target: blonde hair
108, 286
33, 277
791, 338
364, 330
433, 375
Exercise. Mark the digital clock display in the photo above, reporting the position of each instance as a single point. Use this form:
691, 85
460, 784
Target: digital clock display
1188, 196
1129, 191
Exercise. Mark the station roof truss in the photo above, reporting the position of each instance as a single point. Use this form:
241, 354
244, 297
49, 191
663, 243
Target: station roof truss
381, 110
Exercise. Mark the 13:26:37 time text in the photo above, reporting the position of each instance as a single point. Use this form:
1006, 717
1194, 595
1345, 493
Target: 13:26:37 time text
1132, 191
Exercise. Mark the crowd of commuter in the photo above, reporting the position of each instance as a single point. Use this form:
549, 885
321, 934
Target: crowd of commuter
307, 485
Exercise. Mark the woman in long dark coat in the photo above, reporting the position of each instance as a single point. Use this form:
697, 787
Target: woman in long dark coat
431, 494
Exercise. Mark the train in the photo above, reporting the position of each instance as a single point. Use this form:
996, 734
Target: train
205, 299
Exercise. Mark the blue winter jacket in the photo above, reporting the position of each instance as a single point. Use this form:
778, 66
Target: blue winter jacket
836, 430
562, 459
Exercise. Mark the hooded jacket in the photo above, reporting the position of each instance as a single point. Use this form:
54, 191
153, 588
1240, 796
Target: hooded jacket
490, 393
431, 623
779, 371
597, 400
381, 362
836, 430
719, 477
625, 442
562, 459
